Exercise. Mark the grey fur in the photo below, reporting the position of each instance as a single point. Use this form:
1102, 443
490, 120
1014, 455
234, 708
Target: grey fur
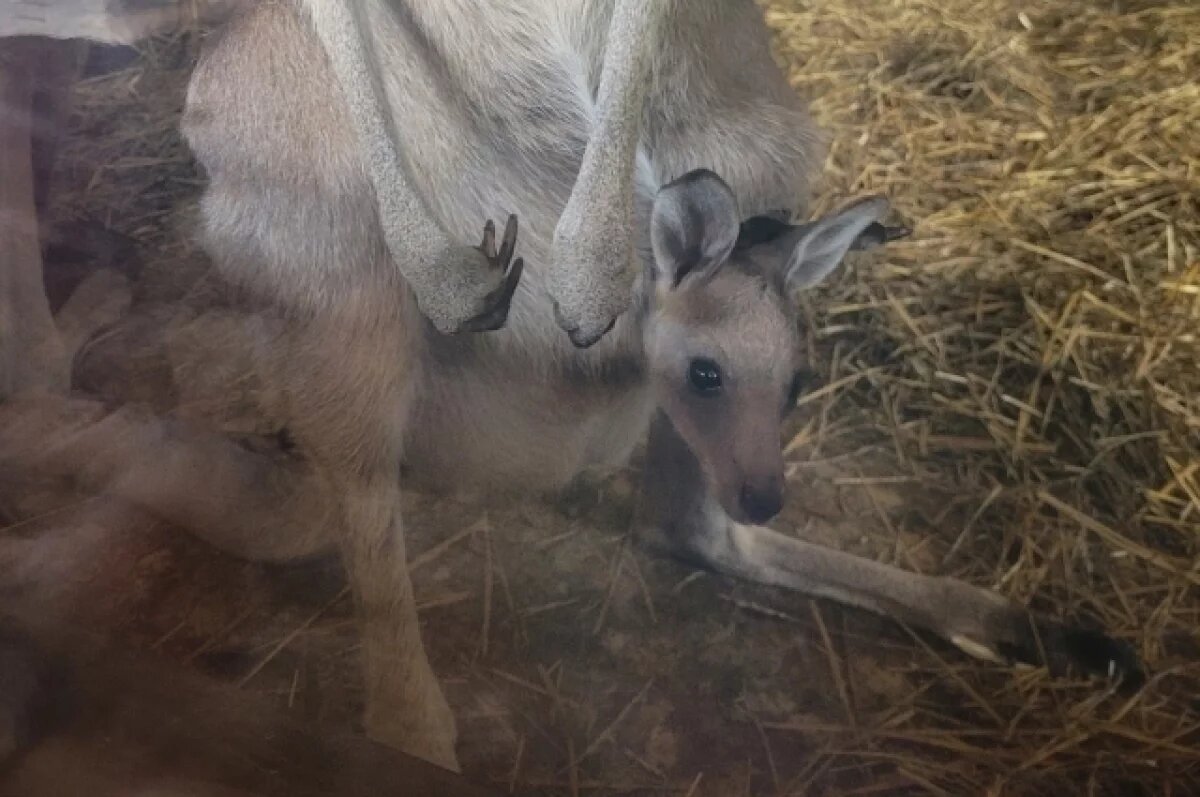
454, 284
693, 228
821, 245
591, 261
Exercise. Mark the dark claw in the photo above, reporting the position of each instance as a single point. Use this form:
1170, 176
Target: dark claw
497, 302
509, 242
502, 258
1066, 648
488, 247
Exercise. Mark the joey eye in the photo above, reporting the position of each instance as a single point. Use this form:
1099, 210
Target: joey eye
704, 376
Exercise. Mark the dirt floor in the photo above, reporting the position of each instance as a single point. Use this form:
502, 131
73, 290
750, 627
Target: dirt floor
1009, 397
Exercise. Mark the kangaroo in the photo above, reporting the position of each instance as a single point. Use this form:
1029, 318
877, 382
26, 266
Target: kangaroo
655, 157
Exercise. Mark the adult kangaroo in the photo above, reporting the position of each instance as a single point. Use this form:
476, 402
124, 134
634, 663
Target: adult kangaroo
655, 156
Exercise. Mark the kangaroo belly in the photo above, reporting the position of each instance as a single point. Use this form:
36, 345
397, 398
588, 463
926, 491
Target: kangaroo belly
508, 427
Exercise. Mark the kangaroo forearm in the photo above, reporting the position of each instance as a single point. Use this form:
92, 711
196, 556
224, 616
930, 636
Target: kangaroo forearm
624, 83
609, 158
413, 236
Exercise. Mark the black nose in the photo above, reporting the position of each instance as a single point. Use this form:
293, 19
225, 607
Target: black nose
761, 502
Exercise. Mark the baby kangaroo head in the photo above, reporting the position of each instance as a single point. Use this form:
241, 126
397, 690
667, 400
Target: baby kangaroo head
723, 340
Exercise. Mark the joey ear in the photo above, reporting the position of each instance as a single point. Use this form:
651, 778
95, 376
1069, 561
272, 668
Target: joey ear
693, 227
820, 245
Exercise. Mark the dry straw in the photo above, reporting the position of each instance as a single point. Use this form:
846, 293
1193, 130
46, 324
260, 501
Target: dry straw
1032, 352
